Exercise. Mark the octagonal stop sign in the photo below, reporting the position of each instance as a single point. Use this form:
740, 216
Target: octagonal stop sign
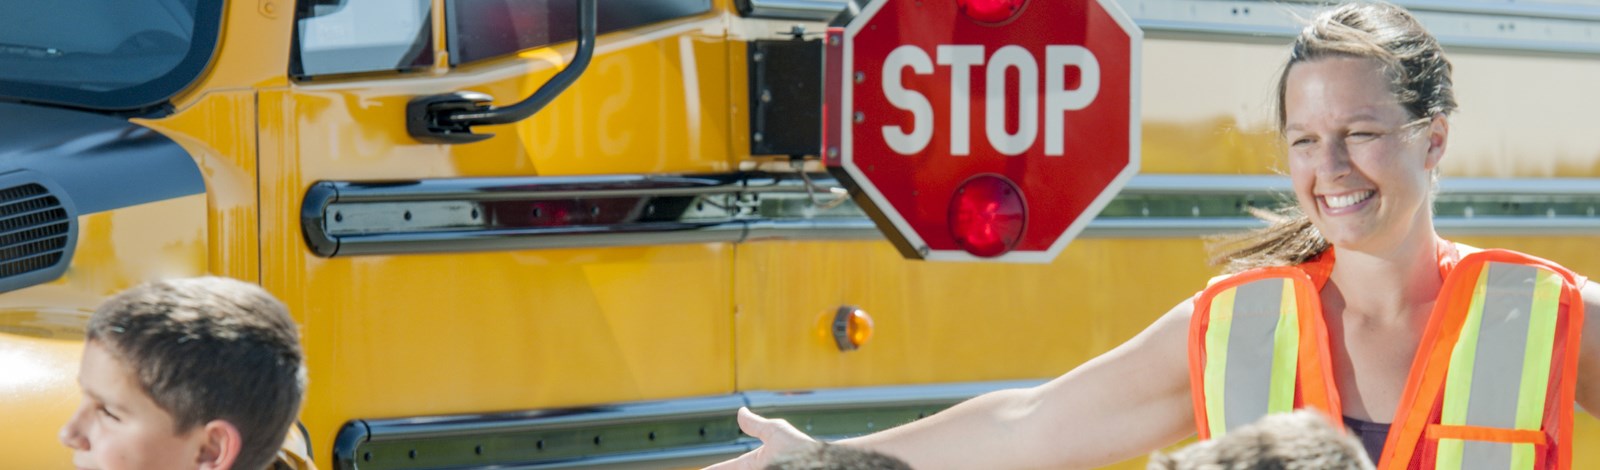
983, 129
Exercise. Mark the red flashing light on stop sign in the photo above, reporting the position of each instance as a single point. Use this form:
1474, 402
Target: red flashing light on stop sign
990, 11
987, 216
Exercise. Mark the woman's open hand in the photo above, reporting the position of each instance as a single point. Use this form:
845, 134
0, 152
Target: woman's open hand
777, 437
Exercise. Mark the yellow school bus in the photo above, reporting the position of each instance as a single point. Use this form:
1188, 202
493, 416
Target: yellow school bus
603, 283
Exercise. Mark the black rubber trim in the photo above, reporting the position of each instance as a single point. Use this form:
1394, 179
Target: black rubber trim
305, 435
351, 436
316, 203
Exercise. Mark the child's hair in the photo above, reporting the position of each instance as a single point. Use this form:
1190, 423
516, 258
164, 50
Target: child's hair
210, 348
1302, 440
837, 457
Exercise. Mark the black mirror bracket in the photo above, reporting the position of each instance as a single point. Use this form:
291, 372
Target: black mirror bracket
448, 118
428, 118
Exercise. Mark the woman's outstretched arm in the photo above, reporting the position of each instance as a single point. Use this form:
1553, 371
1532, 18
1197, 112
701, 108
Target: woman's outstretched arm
1120, 405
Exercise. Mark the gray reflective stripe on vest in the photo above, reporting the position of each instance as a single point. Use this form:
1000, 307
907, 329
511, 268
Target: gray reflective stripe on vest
1256, 311
1502, 340
1498, 357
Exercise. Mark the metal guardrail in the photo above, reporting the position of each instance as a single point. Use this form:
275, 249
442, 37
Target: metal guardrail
1562, 28
815, 10
1532, 26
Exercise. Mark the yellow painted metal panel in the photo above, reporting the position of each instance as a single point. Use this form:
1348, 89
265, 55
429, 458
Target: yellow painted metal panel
1214, 119
39, 387
948, 322
437, 334
1208, 108
651, 101
219, 132
391, 336
657, 107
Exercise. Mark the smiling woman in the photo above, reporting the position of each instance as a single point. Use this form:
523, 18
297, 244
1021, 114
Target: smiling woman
1349, 137
1371, 80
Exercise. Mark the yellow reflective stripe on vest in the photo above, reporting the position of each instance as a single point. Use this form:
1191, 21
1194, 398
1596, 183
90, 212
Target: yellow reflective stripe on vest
1285, 353
1509, 332
1536, 362
1217, 360
1252, 348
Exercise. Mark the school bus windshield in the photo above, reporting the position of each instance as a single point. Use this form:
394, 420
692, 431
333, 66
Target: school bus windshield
118, 55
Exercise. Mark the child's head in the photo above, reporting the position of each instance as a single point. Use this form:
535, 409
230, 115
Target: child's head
837, 457
194, 373
1302, 440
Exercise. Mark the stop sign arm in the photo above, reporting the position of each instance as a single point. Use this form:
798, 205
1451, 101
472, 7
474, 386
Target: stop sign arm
833, 83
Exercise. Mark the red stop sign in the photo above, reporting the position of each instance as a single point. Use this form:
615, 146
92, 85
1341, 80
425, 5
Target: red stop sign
984, 129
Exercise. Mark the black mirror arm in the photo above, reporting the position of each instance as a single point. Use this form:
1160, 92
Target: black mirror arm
449, 118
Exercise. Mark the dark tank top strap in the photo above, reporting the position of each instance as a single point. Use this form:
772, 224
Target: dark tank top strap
1372, 435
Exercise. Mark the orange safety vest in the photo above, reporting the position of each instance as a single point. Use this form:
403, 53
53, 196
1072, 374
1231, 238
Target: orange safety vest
1491, 386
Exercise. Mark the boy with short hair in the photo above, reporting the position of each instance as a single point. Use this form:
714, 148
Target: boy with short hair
199, 373
837, 457
1302, 440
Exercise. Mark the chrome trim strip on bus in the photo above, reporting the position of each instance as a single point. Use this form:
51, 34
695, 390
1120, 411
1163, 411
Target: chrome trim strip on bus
1553, 226
816, 229
825, 9
1265, 184
541, 187
380, 430
1521, 186
469, 440
1549, 28
1448, 226
1508, 8
1168, 227
539, 238
692, 457
1506, 26
872, 397
447, 215
814, 10
590, 237
1206, 184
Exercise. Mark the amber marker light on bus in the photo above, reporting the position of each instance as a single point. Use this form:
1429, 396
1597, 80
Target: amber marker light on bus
987, 215
852, 328
991, 11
